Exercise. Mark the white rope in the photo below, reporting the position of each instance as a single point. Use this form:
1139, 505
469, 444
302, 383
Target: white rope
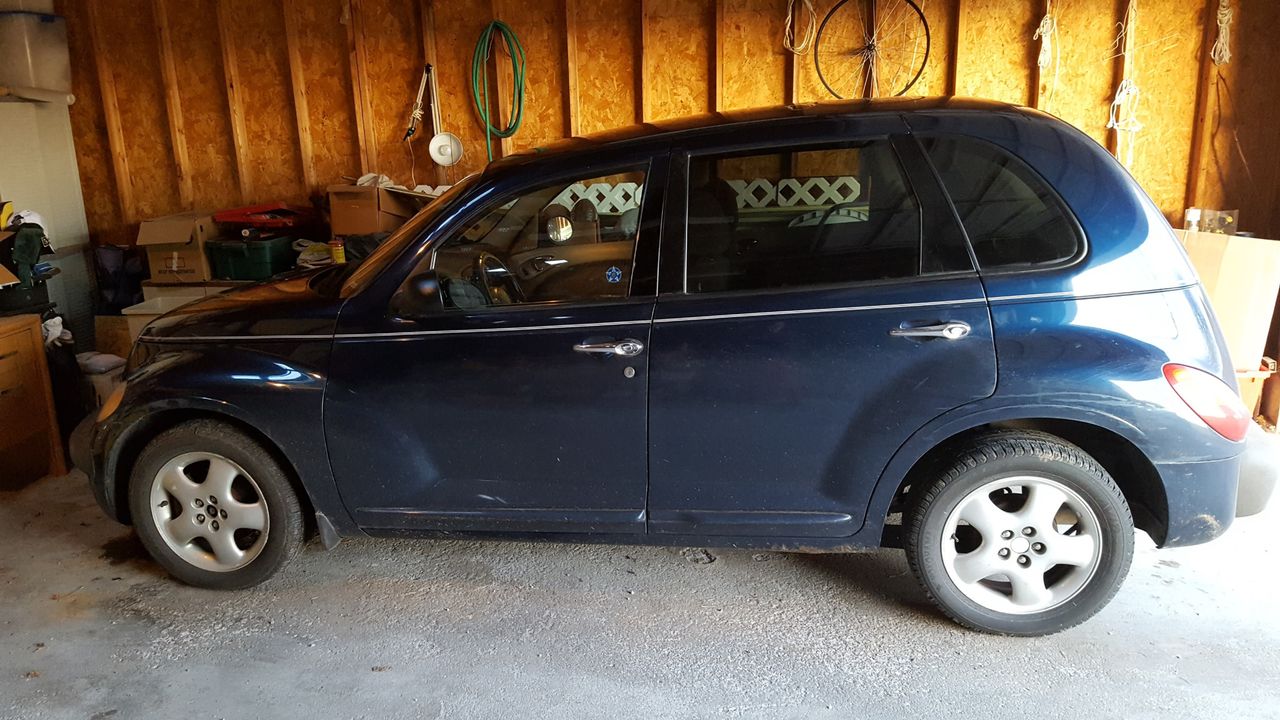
789, 33
1045, 34
1128, 91
1221, 52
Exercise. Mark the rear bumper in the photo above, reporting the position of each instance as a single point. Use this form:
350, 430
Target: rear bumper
1201, 499
1259, 472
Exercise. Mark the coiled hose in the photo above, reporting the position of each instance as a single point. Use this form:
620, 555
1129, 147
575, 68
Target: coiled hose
480, 82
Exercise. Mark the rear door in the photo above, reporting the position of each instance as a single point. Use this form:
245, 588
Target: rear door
818, 305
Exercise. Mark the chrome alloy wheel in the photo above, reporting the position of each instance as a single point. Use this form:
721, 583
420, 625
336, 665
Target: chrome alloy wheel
209, 511
1021, 544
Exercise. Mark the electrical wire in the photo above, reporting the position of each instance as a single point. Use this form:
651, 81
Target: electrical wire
480, 82
1221, 52
789, 32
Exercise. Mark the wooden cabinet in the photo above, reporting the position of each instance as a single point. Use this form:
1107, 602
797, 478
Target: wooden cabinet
30, 445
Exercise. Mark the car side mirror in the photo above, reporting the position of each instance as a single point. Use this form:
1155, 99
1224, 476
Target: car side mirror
419, 297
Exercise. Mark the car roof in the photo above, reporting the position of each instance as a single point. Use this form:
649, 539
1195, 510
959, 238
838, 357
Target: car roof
662, 131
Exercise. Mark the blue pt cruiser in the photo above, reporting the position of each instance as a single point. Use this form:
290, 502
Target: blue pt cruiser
952, 326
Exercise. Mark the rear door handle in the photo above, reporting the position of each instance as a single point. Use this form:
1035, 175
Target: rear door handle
628, 347
953, 330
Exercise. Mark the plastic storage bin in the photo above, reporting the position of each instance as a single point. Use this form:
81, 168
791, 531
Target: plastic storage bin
235, 259
33, 51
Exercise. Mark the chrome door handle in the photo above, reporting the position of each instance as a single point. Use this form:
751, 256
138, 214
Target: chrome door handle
953, 330
625, 348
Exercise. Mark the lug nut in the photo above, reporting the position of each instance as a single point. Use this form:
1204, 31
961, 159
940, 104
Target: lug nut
200, 518
1004, 553
1038, 547
198, 503
223, 513
213, 500
214, 524
1006, 534
1023, 560
1028, 531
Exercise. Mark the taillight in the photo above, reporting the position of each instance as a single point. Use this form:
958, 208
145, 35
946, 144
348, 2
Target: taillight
1211, 399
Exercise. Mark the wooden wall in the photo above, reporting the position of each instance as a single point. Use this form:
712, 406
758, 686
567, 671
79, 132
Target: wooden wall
212, 103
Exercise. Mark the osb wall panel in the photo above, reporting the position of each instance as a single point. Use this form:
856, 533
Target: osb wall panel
688, 56
678, 79
608, 42
93, 157
322, 42
135, 65
1079, 87
753, 63
1240, 168
458, 24
1169, 44
540, 27
996, 49
393, 41
201, 90
274, 164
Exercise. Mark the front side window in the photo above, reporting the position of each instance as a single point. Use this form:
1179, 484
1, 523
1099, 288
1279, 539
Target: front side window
1011, 216
800, 217
567, 241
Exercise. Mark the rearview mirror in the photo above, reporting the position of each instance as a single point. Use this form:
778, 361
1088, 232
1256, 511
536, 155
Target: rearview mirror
420, 296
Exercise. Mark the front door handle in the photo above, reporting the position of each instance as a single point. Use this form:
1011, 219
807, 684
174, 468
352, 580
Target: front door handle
626, 348
953, 330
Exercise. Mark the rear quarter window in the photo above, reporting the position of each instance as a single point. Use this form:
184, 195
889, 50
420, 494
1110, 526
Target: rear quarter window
1012, 217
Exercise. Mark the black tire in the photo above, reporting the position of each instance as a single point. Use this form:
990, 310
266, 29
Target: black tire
1004, 454
286, 527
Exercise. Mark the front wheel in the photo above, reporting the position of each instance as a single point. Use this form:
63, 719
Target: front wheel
214, 507
1024, 534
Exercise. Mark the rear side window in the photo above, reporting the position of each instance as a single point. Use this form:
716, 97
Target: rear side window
799, 217
1012, 218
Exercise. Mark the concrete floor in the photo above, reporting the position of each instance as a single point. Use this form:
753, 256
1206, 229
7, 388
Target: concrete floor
89, 628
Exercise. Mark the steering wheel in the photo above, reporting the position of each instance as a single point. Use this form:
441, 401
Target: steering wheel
486, 260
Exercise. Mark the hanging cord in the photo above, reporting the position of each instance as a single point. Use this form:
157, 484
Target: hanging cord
1050, 50
1221, 52
811, 29
480, 82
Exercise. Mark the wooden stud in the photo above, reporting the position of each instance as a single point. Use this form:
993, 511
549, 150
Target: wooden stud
301, 108
571, 109
173, 105
717, 84
111, 116
430, 55
1124, 66
231, 71
791, 91
1200, 129
1034, 91
643, 78
953, 54
504, 79
366, 136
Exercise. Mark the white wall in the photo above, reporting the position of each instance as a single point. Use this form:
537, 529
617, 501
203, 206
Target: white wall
38, 172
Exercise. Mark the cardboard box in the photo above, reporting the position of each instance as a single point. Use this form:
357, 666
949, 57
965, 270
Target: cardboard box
175, 246
1241, 276
360, 210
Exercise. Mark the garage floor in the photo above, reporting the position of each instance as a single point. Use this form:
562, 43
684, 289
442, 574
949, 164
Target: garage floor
90, 629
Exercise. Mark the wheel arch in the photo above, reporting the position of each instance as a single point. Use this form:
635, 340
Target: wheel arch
1104, 441
135, 437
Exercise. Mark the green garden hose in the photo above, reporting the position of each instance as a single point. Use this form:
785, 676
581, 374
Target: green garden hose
480, 82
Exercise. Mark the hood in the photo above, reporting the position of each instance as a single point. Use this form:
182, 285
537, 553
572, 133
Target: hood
295, 306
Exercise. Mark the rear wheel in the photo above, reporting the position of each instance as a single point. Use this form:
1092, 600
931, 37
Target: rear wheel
1024, 534
214, 507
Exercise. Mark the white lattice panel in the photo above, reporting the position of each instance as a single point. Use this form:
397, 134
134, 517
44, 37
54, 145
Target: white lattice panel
608, 198
796, 192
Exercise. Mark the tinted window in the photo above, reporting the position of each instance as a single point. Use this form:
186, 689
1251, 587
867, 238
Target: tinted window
800, 217
572, 240
1012, 218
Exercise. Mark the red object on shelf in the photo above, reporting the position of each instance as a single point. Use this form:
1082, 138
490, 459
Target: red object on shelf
268, 215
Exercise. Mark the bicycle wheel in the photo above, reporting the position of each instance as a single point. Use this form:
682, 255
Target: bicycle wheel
871, 48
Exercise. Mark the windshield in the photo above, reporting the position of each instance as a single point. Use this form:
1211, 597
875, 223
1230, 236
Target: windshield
402, 238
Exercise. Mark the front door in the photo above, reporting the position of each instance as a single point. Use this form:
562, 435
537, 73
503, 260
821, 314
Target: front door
520, 405
828, 310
